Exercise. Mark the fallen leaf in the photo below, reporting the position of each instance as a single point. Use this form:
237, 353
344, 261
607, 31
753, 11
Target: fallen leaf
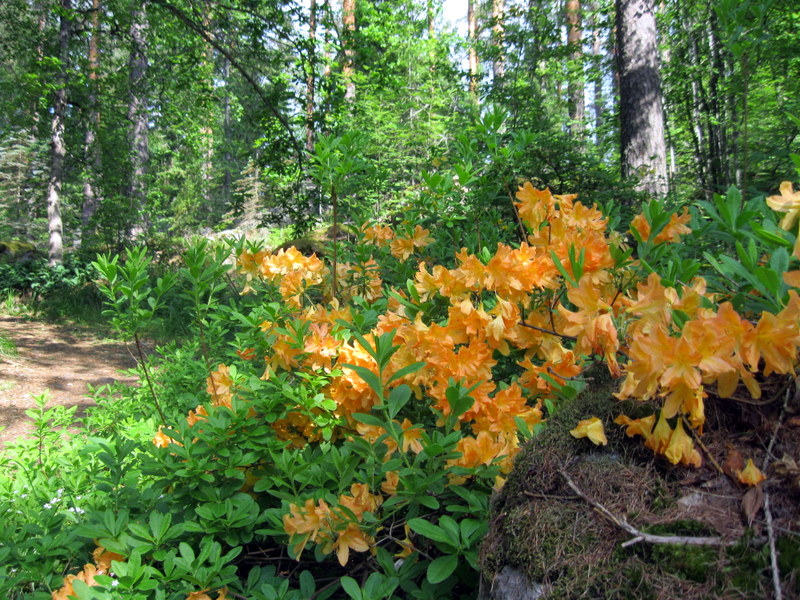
752, 501
734, 462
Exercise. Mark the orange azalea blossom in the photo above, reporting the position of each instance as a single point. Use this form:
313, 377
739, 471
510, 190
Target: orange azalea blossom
498, 415
360, 500
534, 206
788, 202
680, 448
412, 437
297, 428
222, 594
322, 348
196, 415
591, 428
592, 324
402, 248
751, 475
642, 427
102, 566
304, 524
162, 440
389, 486
671, 232
371, 433
483, 449
218, 386
659, 438
351, 538
380, 235
349, 390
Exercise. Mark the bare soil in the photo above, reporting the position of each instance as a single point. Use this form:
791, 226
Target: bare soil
58, 359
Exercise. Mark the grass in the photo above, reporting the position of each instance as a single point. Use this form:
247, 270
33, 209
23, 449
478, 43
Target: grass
7, 347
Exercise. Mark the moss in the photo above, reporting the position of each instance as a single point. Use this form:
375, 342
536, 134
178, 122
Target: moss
13, 250
540, 526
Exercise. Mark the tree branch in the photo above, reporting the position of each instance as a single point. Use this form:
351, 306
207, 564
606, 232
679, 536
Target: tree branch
641, 536
211, 39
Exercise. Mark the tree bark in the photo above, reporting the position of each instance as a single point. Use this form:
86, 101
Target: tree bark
598, 104
55, 252
138, 115
498, 35
472, 29
348, 34
91, 196
311, 75
575, 89
643, 148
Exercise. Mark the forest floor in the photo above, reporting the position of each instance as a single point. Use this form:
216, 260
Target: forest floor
59, 359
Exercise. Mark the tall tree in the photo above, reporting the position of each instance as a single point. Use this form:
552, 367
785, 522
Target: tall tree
472, 34
311, 74
93, 156
498, 52
58, 147
641, 112
348, 43
138, 112
575, 88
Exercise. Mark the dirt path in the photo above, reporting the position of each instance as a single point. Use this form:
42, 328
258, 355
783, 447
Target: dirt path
58, 358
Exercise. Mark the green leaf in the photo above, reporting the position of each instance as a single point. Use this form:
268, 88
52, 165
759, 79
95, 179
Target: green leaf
368, 419
371, 379
430, 531
351, 587
441, 568
406, 371
398, 398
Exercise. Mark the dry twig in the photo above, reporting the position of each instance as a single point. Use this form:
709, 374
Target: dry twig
641, 536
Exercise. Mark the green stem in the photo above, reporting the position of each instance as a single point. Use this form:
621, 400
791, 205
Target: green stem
147, 378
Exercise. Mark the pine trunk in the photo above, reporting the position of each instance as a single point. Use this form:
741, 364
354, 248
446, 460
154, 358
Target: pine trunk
498, 34
311, 74
58, 148
575, 90
472, 29
138, 114
91, 196
643, 147
349, 29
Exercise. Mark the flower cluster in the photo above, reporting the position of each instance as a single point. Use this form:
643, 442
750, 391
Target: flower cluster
336, 529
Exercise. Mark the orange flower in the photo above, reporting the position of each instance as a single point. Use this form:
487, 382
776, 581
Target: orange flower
642, 427
681, 449
352, 538
402, 248
591, 428
389, 486
218, 385
751, 475
162, 440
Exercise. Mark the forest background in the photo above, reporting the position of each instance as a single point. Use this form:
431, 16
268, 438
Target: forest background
341, 421
165, 118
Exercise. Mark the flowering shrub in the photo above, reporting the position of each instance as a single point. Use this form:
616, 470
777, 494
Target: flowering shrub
369, 423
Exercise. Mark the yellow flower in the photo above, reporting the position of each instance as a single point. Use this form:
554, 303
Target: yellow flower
351, 538
788, 202
750, 475
591, 428
681, 449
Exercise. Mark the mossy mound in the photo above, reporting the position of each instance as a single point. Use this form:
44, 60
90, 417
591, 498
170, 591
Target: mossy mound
14, 250
543, 528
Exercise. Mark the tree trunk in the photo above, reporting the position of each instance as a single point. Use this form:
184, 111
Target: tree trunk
227, 179
311, 74
498, 33
138, 115
472, 27
643, 148
91, 196
575, 90
348, 35
598, 105
55, 252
